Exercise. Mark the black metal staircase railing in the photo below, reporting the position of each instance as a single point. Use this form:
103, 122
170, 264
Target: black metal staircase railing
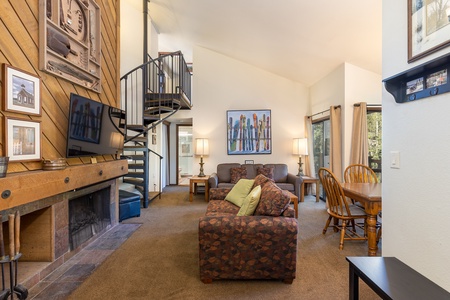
151, 93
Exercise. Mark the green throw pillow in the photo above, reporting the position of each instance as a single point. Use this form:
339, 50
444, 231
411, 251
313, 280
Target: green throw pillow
250, 202
240, 191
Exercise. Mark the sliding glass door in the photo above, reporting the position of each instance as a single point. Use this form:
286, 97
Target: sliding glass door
321, 146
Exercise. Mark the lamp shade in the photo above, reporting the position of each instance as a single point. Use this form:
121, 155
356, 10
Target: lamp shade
202, 147
300, 147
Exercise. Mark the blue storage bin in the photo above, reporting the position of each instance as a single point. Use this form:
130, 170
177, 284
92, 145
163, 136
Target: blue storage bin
129, 205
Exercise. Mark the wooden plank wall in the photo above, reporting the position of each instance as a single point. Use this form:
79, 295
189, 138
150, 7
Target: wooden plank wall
19, 47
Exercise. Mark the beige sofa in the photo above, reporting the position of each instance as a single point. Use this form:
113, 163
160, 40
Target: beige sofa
279, 173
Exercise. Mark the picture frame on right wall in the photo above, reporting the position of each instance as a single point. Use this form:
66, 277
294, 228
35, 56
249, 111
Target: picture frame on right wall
428, 27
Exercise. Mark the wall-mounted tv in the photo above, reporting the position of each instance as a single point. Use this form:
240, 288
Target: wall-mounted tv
94, 128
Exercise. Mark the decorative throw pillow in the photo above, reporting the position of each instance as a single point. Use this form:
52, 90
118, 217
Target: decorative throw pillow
238, 173
250, 202
273, 201
268, 172
261, 180
240, 190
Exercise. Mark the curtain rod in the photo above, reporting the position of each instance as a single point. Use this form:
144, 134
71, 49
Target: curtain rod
368, 105
324, 111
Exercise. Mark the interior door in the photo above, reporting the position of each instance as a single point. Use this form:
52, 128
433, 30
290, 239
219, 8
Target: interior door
185, 148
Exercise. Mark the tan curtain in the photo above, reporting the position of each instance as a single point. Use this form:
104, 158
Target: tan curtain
359, 149
309, 159
336, 141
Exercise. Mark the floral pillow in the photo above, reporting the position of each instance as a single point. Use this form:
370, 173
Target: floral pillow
261, 180
268, 172
237, 174
273, 201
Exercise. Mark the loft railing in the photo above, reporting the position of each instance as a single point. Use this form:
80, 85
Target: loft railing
163, 79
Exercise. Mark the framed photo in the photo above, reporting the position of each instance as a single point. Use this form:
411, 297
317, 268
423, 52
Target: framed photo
249, 132
22, 139
428, 27
21, 91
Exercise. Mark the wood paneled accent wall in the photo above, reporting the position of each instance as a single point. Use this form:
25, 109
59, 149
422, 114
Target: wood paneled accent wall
19, 47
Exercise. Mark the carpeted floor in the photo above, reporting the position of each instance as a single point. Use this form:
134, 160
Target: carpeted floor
160, 259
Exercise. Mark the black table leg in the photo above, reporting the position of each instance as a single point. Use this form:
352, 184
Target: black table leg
353, 284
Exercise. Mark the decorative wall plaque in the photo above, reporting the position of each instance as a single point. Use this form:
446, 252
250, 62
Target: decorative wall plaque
69, 41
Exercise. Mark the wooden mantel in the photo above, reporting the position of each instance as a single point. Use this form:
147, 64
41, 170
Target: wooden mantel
23, 188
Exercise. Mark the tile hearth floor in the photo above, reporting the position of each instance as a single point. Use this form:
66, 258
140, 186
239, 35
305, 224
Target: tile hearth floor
65, 279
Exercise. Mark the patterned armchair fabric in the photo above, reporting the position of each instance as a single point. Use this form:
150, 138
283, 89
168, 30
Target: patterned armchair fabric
249, 247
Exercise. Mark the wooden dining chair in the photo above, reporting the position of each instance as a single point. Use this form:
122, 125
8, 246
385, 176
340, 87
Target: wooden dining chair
341, 210
360, 173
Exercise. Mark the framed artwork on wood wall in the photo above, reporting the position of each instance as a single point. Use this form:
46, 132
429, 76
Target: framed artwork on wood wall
22, 139
428, 27
21, 91
249, 132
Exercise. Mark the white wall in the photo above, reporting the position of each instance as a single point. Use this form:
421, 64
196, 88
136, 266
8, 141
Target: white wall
221, 83
415, 197
345, 86
131, 32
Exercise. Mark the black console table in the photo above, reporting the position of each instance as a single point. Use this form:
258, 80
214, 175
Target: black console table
391, 279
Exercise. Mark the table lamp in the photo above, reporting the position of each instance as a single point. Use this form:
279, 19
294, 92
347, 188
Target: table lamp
300, 147
202, 148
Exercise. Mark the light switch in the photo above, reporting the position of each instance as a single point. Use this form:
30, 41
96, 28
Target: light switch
395, 160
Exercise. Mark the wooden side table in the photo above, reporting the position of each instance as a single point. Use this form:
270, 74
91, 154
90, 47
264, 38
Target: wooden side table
294, 199
193, 181
306, 180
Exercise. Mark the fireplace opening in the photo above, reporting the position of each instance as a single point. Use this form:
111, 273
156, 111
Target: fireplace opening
88, 215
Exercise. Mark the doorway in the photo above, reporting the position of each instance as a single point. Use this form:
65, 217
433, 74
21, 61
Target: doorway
185, 153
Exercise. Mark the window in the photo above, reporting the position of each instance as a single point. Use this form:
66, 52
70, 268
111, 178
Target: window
374, 118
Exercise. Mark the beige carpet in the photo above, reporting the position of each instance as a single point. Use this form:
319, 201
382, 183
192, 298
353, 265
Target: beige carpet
160, 260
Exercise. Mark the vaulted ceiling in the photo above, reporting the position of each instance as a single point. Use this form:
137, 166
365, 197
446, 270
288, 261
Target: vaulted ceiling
297, 39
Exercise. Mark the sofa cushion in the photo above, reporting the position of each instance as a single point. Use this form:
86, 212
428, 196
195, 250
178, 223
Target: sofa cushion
221, 208
273, 201
268, 172
237, 174
251, 170
240, 190
250, 202
224, 171
280, 172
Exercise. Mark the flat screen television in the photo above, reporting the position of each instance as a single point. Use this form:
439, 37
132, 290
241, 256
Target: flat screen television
94, 128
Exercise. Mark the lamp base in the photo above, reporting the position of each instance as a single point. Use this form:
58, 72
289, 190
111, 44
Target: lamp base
201, 174
300, 169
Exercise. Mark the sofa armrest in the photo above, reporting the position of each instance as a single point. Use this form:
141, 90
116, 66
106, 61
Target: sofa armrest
296, 181
218, 193
213, 180
250, 247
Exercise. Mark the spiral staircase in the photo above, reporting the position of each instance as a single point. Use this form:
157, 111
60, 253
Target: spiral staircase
151, 93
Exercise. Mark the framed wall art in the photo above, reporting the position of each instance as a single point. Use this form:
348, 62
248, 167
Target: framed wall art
249, 132
21, 91
22, 139
69, 41
428, 27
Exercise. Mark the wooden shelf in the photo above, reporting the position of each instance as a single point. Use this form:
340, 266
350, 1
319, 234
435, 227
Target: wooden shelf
22, 188
404, 88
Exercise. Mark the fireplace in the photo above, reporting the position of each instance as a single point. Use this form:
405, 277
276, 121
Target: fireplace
88, 215
44, 198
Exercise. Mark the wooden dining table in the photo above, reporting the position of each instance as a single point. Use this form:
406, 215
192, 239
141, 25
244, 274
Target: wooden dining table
369, 195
